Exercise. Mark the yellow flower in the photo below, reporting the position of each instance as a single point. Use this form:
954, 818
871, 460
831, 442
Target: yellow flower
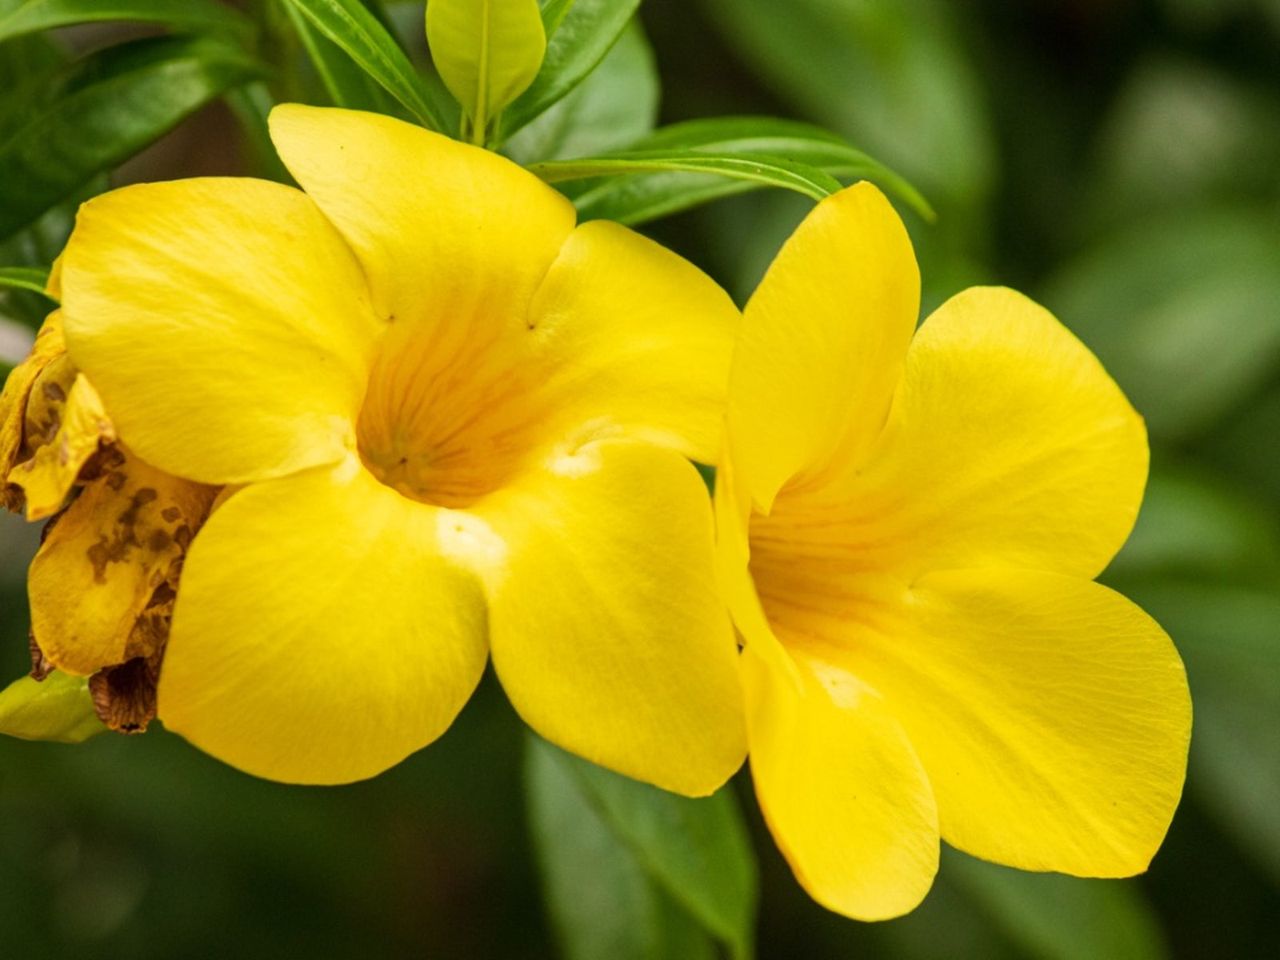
461, 425
103, 582
909, 531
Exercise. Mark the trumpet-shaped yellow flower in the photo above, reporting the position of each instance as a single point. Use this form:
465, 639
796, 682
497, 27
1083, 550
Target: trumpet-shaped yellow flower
459, 427
909, 530
103, 582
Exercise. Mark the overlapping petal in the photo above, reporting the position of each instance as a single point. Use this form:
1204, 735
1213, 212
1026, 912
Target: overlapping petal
224, 322
623, 338
823, 342
75, 428
1007, 444
839, 783
450, 235
606, 628
634, 337
103, 560
15, 398
1051, 714
934, 557
322, 632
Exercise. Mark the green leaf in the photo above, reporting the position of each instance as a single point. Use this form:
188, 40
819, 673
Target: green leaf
251, 105
585, 35
553, 14
892, 75
345, 83
624, 861
195, 15
1186, 300
350, 25
487, 52
56, 708
26, 66
37, 246
107, 108
648, 196
26, 278
615, 106
1055, 917
801, 142
760, 170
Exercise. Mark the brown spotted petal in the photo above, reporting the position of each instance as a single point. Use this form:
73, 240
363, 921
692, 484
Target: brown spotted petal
66, 427
41, 666
124, 696
15, 399
103, 582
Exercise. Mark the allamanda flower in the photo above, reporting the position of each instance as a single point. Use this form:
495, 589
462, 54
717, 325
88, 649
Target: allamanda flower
909, 531
103, 583
454, 425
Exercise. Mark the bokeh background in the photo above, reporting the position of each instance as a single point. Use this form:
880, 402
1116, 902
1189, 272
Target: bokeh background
1118, 160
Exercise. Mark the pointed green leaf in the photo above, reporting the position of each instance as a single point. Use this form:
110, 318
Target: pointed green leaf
346, 84
26, 278
801, 142
586, 32
893, 76
761, 170
251, 105
105, 109
649, 196
615, 106
694, 853
553, 14
487, 52
30, 16
36, 246
27, 66
350, 25
56, 708
602, 901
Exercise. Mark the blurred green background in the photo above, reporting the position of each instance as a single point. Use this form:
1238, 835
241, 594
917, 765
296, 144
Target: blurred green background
1120, 161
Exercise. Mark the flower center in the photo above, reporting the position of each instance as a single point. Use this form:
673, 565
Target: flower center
818, 573
445, 421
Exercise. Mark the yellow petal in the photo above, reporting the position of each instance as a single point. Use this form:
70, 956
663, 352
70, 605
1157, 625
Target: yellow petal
622, 339
841, 789
46, 403
606, 627
83, 428
321, 635
53, 286
823, 341
1008, 444
733, 553
634, 337
449, 235
103, 560
16, 396
224, 322
1051, 714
